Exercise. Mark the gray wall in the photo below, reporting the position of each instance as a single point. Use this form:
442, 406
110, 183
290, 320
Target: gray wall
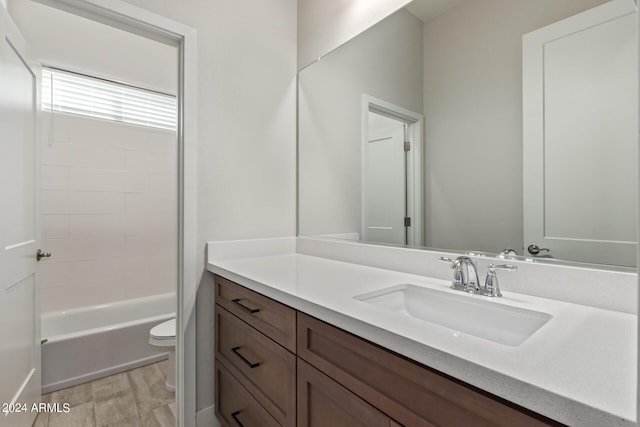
324, 25
384, 62
472, 102
473, 119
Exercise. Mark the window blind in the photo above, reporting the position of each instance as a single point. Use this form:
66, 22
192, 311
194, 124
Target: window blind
72, 93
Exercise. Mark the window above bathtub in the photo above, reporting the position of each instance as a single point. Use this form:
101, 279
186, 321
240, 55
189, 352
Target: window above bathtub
73, 93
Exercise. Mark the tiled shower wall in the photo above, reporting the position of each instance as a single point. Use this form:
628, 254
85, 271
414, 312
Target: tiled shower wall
108, 211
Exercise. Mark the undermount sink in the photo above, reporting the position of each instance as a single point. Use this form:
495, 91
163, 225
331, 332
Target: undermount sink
463, 313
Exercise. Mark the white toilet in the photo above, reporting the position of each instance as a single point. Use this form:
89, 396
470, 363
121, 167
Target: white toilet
164, 335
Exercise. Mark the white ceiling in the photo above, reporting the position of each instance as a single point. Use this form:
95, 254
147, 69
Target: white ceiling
427, 9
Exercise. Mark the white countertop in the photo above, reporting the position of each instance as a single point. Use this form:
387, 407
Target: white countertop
579, 368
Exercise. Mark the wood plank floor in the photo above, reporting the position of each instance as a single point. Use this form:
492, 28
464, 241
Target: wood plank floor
137, 398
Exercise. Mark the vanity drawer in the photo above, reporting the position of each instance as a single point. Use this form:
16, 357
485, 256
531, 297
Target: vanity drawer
264, 368
275, 320
409, 392
235, 406
324, 402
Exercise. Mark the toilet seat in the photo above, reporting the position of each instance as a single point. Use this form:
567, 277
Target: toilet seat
164, 334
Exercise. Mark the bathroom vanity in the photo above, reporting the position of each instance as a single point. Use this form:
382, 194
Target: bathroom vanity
302, 340
457, 129
264, 348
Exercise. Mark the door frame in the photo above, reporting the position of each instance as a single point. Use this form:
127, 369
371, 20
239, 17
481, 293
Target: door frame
136, 20
415, 122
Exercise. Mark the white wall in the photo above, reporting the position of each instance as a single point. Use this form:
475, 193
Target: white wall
330, 112
246, 133
473, 119
108, 196
247, 71
324, 25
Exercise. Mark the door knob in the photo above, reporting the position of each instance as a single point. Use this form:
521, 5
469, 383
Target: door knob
40, 254
535, 249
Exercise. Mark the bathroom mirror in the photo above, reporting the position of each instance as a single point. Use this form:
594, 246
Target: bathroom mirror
412, 133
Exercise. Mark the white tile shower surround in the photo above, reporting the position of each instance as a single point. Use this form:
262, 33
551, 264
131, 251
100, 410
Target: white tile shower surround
108, 211
580, 368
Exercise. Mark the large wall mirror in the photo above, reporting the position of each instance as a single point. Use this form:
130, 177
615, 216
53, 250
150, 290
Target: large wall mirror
478, 126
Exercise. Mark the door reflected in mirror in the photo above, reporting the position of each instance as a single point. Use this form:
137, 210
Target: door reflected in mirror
512, 154
384, 184
391, 173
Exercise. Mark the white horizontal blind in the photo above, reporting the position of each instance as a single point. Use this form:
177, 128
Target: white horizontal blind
93, 97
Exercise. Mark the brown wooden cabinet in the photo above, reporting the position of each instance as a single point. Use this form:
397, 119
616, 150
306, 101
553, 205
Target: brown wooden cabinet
235, 406
266, 370
255, 369
324, 402
274, 320
411, 393
341, 379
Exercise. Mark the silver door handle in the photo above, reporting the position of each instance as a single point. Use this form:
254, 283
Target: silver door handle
535, 249
40, 254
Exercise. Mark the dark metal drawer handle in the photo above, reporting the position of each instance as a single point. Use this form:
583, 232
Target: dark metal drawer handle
249, 364
235, 417
244, 307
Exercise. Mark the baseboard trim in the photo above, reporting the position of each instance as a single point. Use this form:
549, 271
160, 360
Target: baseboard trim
207, 417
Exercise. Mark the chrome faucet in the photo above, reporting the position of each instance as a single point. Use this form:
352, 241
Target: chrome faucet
465, 276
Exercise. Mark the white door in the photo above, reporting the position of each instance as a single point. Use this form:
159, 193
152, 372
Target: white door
580, 136
385, 179
19, 308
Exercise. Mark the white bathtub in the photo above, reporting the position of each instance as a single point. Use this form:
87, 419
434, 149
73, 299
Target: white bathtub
87, 343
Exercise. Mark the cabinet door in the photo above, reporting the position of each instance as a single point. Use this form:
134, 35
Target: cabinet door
275, 320
264, 368
413, 394
323, 402
235, 407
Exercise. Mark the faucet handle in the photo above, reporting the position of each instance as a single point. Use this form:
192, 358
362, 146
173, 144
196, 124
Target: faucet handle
491, 285
457, 280
456, 263
508, 267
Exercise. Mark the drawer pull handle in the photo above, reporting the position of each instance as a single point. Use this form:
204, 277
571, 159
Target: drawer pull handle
244, 307
235, 418
236, 351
